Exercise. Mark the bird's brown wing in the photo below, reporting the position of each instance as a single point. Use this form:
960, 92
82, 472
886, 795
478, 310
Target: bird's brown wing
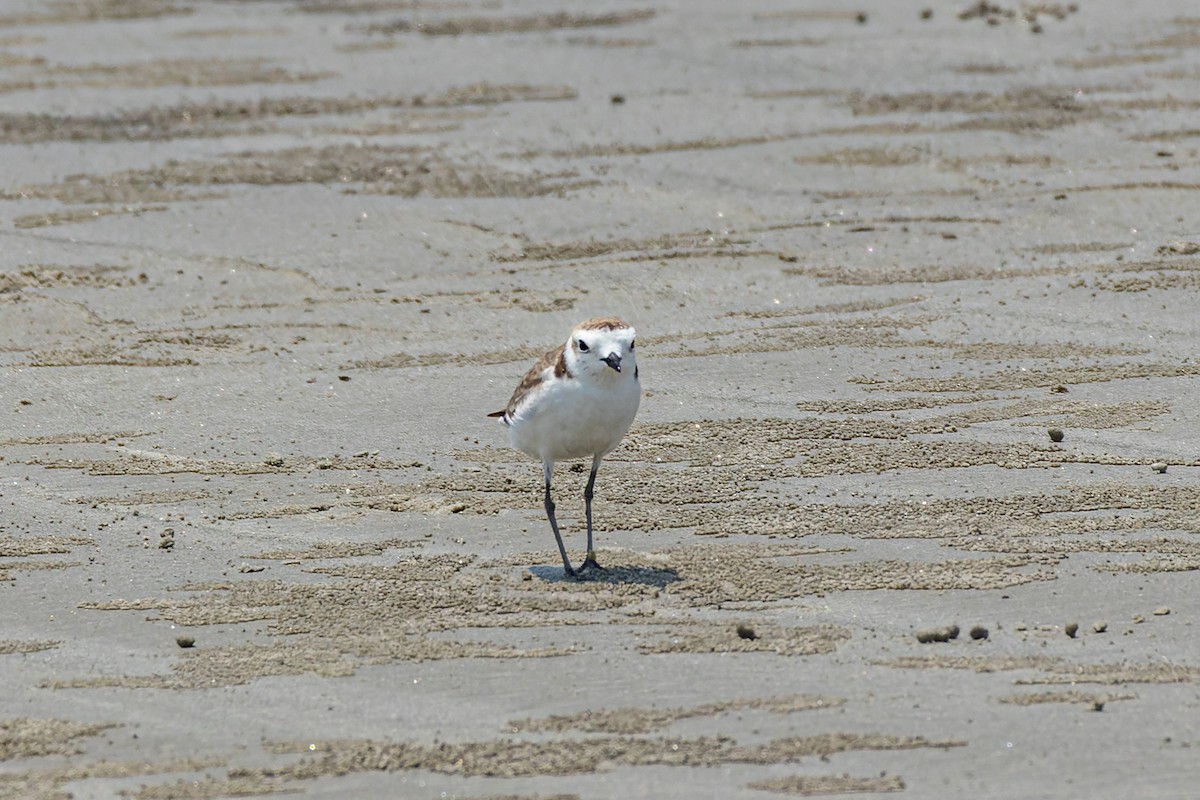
555, 358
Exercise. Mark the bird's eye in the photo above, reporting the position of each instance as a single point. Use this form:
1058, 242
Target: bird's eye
631, 344
583, 348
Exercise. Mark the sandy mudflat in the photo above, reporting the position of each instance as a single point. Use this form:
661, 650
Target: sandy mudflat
265, 266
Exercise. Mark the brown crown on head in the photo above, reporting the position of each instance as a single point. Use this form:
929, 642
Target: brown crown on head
603, 324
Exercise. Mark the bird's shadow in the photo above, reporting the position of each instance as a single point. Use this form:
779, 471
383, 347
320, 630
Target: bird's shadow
645, 576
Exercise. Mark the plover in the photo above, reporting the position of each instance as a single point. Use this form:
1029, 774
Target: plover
577, 401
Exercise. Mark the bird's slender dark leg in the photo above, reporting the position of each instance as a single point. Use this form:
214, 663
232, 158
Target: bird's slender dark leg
548, 471
590, 561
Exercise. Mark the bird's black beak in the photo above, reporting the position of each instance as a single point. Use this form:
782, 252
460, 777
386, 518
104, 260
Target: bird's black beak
613, 360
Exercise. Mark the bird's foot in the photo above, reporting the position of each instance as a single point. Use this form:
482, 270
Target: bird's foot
591, 563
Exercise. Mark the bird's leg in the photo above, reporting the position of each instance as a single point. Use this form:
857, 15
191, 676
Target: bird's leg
590, 560
548, 471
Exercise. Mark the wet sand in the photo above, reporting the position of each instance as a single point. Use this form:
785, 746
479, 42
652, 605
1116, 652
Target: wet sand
266, 267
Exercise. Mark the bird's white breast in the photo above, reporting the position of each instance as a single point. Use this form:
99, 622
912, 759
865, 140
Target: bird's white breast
570, 418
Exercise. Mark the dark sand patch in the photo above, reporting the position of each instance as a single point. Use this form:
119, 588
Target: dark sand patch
9, 646
1166, 136
155, 73
608, 41
375, 6
1079, 247
176, 72
145, 463
1116, 674
680, 146
81, 215
8, 567
512, 758
47, 276
26, 738
1139, 186
1055, 671
374, 169
1162, 281
855, 276
106, 355
806, 15
1187, 551
68, 12
1183, 562
867, 156
641, 720
984, 664
779, 42
696, 241
228, 32
1021, 378
725, 638
233, 117
1051, 104
986, 69
486, 26
1112, 60
1073, 697
327, 550
821, 785
1028, 14
18, 547
48, 784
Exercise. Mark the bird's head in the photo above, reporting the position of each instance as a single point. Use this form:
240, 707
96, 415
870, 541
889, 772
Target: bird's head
602, 349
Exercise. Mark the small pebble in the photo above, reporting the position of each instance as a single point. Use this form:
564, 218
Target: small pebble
617, 99
938, 634
1056, 434
1099, 627
861, 18
926, 13
978, 632
185, 641
1159, 466
1071, 629
1138, 619
746, 632
1097, 705
1162, 612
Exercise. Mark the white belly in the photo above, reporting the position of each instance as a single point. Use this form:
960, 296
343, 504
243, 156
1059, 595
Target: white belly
569, 420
